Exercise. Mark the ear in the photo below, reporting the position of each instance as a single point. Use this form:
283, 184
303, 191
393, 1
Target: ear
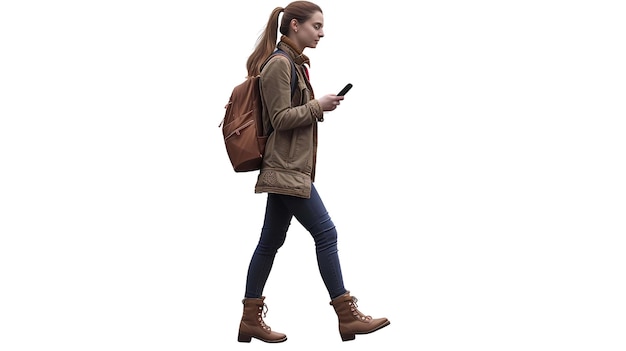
294, 25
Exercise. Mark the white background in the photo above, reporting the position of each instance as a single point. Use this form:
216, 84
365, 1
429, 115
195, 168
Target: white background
475, 173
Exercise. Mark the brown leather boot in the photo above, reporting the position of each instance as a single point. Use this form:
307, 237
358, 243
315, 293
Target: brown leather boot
252, 324
352, 321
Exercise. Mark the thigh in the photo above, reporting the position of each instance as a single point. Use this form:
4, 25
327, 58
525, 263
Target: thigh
309, 212
277, 215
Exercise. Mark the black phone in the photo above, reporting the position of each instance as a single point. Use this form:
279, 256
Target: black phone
345, 90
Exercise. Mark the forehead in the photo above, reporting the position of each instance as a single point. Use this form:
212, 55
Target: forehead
317, 17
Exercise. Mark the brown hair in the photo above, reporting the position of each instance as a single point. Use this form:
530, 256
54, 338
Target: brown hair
301, 11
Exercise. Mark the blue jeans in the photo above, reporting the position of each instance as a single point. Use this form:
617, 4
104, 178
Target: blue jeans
313, 216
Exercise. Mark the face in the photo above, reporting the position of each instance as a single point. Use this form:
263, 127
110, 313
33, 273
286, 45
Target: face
310, 32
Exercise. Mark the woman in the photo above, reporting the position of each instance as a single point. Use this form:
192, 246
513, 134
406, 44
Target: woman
288, 170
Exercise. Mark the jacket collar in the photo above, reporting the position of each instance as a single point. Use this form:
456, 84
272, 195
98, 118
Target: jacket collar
288, 46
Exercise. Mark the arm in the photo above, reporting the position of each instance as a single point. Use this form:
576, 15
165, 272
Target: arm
276, 93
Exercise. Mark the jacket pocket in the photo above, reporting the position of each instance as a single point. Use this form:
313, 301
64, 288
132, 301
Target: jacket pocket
294, 146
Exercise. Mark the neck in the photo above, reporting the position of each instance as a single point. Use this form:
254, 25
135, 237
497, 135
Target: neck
292, 42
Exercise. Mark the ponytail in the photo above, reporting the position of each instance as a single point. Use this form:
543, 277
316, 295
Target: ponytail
266, 44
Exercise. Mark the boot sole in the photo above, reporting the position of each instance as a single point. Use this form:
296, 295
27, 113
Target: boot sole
352, 336
248, 338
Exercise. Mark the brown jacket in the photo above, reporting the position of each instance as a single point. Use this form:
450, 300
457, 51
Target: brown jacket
290, 153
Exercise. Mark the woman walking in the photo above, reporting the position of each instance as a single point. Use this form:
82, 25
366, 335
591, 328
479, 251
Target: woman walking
291, 114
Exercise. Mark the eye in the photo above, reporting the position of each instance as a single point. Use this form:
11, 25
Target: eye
317, 26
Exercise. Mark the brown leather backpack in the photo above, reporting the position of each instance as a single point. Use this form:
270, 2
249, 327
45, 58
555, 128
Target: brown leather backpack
242, 126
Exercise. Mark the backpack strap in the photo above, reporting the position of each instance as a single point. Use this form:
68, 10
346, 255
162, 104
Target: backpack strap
294, 74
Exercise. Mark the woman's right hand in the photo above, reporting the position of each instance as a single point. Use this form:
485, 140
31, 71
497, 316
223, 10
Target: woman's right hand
330, 102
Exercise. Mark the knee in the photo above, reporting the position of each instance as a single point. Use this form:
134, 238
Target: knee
272, 240
326, 239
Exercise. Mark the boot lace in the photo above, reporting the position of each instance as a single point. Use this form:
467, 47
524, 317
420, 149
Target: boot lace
355, 311
263, 310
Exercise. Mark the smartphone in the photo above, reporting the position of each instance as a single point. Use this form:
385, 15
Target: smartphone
345, 90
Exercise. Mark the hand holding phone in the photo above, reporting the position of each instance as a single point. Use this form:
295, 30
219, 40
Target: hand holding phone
345, 89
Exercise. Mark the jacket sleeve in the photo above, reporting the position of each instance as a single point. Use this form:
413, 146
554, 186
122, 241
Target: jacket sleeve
276, 94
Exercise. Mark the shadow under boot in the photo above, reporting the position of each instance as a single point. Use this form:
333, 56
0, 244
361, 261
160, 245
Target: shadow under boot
352, 321
252, 324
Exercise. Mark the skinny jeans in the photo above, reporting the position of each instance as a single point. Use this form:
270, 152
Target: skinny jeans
312, 215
